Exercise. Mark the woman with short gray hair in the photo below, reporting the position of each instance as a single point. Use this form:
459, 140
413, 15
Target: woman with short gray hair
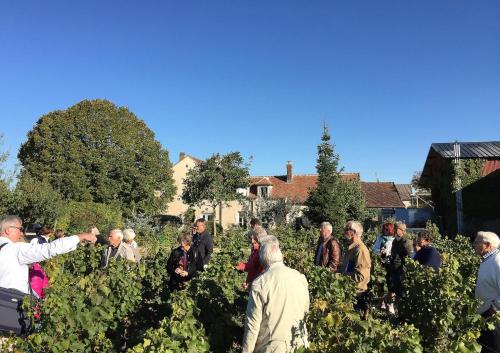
128, 238
184, 262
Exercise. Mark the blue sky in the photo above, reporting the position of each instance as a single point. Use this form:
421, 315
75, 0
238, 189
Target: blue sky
260, 77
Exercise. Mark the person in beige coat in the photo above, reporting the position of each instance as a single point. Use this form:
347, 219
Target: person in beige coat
117, 249
356, 263
277, 305
128, 238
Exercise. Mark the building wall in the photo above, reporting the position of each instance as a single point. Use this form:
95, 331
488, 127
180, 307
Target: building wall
230, 213
176, 207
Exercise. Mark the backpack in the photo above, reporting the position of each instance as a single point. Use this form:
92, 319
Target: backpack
12, 316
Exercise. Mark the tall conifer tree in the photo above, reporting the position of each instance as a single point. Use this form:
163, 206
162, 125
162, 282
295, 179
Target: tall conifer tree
333, 200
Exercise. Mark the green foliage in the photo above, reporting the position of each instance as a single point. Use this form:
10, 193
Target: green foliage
5, 192
5, 198
96, 151
333, 200
441, 305
36, 201
468, 170
78, 217
128, 308
180, 332
86, 311
216, 181
143, 224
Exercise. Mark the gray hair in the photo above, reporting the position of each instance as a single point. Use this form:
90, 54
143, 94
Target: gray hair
487, 237
257, 233
9, 221
401, 225
118, 232
269, 251
268, 238
186, 238
356, 226
326, 225
128, 235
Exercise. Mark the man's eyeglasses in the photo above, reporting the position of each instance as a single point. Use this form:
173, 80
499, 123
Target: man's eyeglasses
21, 229
346, 229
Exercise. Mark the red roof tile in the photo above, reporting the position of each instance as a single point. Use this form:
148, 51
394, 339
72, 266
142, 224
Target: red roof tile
297, 190
381, 195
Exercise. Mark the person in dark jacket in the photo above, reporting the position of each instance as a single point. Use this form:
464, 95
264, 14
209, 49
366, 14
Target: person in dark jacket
328, 249
427, 255
402, 248
183, 264
202, 241
43, 235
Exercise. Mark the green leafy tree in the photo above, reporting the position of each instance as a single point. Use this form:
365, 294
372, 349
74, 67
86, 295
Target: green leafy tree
5, 193
35, 201
96, 151
333, 200
78, 217
216, 181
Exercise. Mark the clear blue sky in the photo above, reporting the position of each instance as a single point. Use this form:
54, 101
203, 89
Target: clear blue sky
259, 77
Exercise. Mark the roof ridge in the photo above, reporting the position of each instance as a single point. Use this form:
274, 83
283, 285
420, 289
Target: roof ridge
461, 142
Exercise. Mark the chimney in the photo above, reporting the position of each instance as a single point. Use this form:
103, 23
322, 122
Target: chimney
288, 171
181, 156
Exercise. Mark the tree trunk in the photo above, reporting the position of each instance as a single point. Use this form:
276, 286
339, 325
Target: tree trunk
214, 222
220, 215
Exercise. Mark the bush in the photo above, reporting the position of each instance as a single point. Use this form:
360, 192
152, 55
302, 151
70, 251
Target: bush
127, 307
441, 305
80, 216
35, 201
86, 311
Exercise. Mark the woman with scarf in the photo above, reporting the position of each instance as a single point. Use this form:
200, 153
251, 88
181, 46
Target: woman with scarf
382, 248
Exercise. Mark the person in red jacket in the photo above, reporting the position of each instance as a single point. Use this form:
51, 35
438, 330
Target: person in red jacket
253, 265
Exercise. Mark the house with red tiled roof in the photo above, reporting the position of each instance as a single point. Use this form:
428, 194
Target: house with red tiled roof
291, 188
382, 196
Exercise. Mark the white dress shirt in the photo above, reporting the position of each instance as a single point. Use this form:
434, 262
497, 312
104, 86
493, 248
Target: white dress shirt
488, 282
275, 317
15, 258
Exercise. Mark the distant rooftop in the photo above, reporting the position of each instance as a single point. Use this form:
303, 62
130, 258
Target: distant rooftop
490, 151
469, 149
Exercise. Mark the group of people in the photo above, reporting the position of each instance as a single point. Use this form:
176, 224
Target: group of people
278, 296
393, 247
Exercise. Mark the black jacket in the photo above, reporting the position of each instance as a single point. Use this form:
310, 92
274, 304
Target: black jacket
203, 242
429, 256
194, 264
402, 247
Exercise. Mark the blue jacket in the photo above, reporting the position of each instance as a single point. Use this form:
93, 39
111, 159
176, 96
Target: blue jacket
429, 256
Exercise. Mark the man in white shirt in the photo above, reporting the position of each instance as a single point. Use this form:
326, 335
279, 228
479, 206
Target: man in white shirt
277, 305
16, 255
488, 286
